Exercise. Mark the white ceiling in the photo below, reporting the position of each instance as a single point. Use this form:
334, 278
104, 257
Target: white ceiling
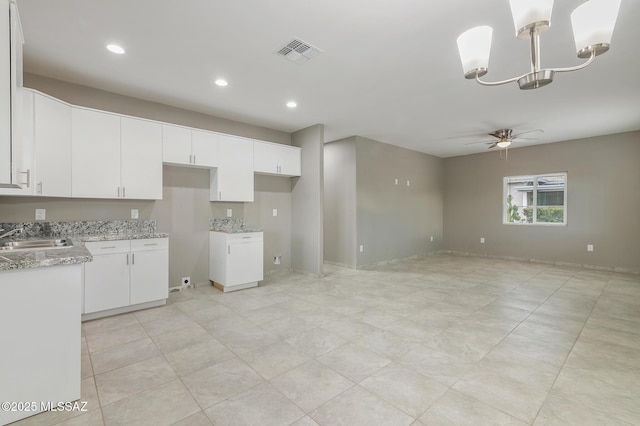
389, 70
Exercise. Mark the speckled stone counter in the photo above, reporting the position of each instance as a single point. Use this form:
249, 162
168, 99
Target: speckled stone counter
231, 225
78, 232
25, 259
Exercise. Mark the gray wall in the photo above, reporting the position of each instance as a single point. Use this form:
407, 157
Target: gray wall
364, 206
603, 202
396, 221
307, 196
340, 202
185, 209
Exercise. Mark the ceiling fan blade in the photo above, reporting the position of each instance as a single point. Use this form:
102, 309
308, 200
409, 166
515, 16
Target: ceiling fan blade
493, 145
528, 131
474, 143
523, 139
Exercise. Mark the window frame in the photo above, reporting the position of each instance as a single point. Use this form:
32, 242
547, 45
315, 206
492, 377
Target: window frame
534, 205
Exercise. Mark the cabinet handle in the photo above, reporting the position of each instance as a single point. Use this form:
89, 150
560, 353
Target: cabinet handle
28, 182
118, 192
40, 188
228, 249
109, 247
154, 244
194, 159
127, 258
123, 188
219, 195
133, 258
244, 238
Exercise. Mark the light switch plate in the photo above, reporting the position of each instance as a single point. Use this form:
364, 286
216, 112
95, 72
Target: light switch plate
396, 181
229, 212
41, 214
589, 247
275, 212
134, 213
482, 240
408, 183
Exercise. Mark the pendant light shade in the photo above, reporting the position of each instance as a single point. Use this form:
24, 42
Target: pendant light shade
474, 46
593, 23
531, 13
503, 144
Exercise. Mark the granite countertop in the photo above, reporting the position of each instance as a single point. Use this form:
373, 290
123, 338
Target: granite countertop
120, 236
79, 232
237, 230
230, 225
25, 259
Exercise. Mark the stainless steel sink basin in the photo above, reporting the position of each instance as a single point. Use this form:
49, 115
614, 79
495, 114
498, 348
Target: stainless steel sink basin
34, 244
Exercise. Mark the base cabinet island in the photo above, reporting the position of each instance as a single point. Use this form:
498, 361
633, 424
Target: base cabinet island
40, 301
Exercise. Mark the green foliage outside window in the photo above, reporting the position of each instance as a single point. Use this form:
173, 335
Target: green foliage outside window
512, 210
545, 214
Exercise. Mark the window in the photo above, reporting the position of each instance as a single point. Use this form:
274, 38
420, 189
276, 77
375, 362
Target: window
536, 199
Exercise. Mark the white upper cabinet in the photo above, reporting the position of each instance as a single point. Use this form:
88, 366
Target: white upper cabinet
95, 154
176, 145
204, 148
276, 159
141, 159
114, 156
11, 172
52, 145
233, 179
189, 147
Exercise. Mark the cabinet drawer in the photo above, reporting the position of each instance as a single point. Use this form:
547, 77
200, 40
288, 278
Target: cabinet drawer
97, 248
244, 236
150, 244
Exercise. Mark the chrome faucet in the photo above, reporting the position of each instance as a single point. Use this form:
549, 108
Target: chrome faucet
12, 232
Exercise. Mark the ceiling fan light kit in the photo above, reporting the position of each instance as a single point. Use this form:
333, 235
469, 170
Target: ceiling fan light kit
593, 23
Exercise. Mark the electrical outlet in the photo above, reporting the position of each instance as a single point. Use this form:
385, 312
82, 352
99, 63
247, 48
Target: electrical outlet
431, 238
396, 181
361, 248
186, 282
408, 183
275, 212
229, 212
276, 260
134, 213
41, 214
589, 247
481, 240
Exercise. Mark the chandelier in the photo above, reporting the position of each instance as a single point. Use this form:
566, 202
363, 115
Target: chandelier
592, 21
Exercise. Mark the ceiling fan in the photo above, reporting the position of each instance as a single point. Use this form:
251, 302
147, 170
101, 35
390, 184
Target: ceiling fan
504, 139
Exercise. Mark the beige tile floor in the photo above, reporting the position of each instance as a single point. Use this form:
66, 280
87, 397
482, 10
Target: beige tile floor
438, 340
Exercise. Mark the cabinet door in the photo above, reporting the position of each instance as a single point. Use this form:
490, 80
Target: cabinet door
244, 262
106, 282
289, 161
5, 95
176, 145
141, 159
204, 147
95, 154
233, 179
52, 134
149, 276
265, 158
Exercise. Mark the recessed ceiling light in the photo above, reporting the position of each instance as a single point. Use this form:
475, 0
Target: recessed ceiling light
115, 49
292, 104
221, 82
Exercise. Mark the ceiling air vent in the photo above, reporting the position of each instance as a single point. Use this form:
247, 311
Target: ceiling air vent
298, 51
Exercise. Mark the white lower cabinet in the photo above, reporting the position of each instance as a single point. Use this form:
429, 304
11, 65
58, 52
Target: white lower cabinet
125, 275
235, 260
149, 269
40, 356
106, 278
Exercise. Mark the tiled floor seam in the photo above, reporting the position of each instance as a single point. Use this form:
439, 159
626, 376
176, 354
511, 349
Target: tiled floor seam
571, 350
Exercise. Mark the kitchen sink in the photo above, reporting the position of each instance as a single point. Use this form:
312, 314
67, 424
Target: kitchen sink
34, 244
